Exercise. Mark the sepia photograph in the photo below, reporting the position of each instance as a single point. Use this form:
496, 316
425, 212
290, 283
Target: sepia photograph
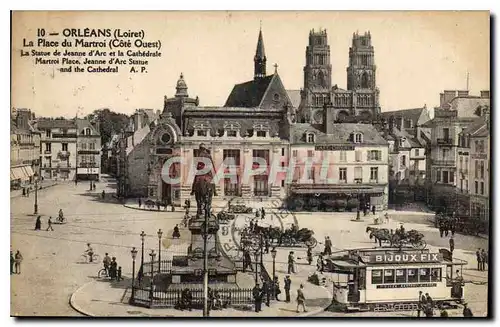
250, 164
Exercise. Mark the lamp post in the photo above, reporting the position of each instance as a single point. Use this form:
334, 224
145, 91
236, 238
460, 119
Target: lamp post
143, 235
256, 267
35, 209
160, 233
152, 255
134, 255
273, 254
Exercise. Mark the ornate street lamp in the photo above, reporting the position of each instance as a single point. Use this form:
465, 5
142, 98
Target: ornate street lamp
35, 209
273, 254
143, 235
152, 255
134, 255
160, 233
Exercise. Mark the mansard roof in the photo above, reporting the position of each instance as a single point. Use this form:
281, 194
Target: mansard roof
249, 94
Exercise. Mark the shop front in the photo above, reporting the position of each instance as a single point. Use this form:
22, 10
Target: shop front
316, 197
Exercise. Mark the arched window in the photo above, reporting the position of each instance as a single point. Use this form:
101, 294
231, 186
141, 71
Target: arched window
364, 80
87, 131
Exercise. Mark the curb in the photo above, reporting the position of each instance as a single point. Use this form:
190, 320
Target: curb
75, 306
43, 188
308, 314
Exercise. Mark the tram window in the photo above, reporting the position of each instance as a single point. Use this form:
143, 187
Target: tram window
412, 275
388, 276
436, 274
377, 276
424, 275
400, 275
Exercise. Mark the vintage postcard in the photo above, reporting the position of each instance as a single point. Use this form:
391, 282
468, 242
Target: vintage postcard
250, 164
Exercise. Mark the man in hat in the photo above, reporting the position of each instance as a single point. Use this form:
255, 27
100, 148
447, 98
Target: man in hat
288, 284
291, 263
301, 299
257, 297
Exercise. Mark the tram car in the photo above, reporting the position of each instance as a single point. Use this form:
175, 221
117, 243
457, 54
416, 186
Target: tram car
389, 279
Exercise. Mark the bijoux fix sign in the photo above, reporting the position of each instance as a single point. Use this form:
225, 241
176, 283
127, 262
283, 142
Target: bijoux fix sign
403, 258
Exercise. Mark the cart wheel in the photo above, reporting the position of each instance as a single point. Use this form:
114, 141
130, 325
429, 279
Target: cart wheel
102, 273
311, 242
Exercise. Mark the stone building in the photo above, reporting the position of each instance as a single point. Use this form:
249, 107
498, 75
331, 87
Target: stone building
359, 102
473, 188
24, 148
338, 166
88, 160
58, 148
253, 123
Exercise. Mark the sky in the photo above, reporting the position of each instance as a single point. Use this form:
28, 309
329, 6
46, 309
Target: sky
418, 55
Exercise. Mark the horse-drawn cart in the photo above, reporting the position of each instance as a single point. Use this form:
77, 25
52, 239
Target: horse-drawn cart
399, 239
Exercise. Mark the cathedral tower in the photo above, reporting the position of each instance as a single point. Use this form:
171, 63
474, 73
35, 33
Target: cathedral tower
317, 77
260, 58
361, 70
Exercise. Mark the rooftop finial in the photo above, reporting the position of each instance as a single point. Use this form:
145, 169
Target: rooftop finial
260, 25
276, 68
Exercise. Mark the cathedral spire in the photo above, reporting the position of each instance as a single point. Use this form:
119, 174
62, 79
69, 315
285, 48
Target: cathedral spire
260, 58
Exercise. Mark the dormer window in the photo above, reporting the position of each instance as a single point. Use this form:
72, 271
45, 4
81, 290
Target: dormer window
402, 141
201, 128
232, 128
261, 130
357, 137
310, 138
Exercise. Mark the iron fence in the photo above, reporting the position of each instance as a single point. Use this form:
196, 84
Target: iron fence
145, 296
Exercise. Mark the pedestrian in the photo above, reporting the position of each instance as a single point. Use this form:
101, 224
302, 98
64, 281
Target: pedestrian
357, 214
263, 213
441, 228
24, 191
429, 311
467, 311
443, 313
49, 222
301, 298
28, 192
268, 289
76, 182
277, 290
247, 260
309, 255
12, 261
319, 264
119, 274
257, 214
106, 262
328, 246
288, 284
453, 225
18, 258
484, 259
479, 260
429, 300
251, 225
373, 210
266, 244
291, 263
386, 215
257, 297
140, 202
452, 245
421, 303
446, 227
103, 194
38, 223
176, 233
113, 268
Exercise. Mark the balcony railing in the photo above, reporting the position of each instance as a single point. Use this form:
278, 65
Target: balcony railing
373, 181
47, 152
358, 180
63, 154
61, 135
88, 165
439, 162
444, 141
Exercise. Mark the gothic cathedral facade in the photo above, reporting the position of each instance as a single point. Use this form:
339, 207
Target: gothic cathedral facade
358, 103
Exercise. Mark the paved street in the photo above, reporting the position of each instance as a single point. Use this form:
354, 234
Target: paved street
51, 272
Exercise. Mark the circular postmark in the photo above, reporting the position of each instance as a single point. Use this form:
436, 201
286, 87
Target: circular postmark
230, 234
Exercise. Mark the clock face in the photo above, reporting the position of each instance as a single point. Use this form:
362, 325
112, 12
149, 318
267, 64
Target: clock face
230, 234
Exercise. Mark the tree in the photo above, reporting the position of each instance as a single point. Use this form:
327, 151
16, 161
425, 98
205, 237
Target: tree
110, 122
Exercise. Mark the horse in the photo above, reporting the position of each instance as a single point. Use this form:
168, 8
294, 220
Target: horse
381, 234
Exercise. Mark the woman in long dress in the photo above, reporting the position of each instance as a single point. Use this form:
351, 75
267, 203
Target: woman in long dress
38, 223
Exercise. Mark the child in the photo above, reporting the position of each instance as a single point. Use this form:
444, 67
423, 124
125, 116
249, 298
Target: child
119, 274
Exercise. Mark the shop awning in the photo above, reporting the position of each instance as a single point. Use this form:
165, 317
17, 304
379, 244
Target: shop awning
334, 190
29, 171
17, 173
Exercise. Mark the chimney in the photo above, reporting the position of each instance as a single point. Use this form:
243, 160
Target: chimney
138, 120
463, 94
449, 95
485, 94
441, 99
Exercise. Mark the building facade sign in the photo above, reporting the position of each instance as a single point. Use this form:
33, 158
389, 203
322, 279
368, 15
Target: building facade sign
334, 148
